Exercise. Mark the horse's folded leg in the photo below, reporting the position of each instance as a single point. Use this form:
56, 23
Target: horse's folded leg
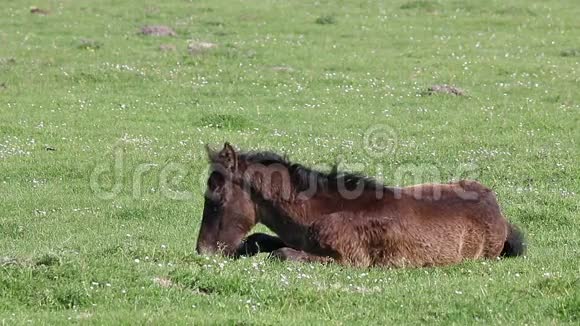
259, 242
299, 256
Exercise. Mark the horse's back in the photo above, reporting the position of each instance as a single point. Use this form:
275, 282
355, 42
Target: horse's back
463, 199
442, 224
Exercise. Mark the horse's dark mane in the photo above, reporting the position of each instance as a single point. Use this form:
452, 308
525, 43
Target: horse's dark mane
302, 176
264, 158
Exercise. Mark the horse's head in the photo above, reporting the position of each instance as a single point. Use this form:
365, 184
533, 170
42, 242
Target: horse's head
228, 213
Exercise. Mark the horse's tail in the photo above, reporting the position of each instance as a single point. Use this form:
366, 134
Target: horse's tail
514, 244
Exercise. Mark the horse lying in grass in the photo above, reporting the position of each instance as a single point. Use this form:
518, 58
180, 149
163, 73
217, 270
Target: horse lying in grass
347, 218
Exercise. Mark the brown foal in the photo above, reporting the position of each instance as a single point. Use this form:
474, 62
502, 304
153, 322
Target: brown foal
347, 218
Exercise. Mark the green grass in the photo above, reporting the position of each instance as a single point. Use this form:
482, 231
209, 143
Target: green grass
305, 78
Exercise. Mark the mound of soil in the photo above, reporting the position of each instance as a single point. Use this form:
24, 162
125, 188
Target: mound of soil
199, 47
167, 47
445, 89
157, 30
38, 11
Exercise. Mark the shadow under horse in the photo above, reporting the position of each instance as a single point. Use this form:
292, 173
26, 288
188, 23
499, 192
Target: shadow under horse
346, 218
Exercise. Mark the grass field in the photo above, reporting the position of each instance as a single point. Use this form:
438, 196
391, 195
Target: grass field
102, 163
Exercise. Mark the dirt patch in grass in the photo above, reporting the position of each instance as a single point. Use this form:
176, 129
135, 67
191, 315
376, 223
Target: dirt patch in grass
163, 282
167, 48
89, 44
421, 5
7, 61
445, 89
515, 11
39, 11
48, 260
6, 261
326, 20
196, 47
570, 52
157, 30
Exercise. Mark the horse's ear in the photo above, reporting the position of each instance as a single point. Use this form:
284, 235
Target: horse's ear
228, 157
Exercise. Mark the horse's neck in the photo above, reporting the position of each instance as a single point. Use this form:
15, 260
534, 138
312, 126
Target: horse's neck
289, 222
284, 210
277, 199
305, 211
298, 211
